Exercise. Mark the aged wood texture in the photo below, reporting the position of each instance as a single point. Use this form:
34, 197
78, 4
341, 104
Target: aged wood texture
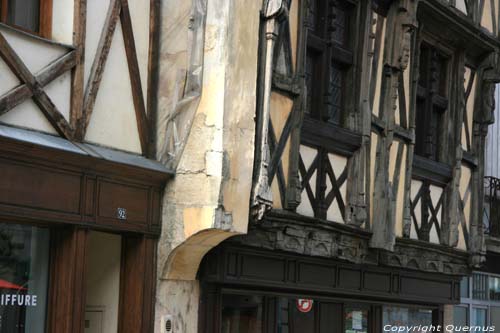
135, 76
98, 66
67, 287
153, 74
401, 16
21, 93
137, 281
45, 27
40, 98
261, 190
78, 74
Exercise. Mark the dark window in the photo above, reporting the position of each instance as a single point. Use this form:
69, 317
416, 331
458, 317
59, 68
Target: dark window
24, 272
329, 58
464, 287
30, 15
432, 102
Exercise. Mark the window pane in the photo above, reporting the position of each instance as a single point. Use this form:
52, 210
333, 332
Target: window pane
24, 265
406, 317
479, 286
24, 14
464, 287
494, 286
241, 314
460, 316
479, 317
495, 316
355, 320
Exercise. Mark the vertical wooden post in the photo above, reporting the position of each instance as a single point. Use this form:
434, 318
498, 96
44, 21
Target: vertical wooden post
137, 285
67, 287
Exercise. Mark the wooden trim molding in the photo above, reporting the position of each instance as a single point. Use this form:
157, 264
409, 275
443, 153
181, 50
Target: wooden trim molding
66, 304
44, 18
334, 138
246, 267
78, 189
137, 282
429, 170
45, 28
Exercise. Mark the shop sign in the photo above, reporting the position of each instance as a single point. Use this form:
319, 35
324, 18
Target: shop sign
18, 300
304, 305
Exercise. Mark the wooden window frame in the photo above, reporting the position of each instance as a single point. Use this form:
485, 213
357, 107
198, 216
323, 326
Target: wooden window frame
435, 171
45, 18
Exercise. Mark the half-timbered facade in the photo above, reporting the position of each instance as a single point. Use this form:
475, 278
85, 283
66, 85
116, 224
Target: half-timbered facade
367, 199
341, 141
80, 198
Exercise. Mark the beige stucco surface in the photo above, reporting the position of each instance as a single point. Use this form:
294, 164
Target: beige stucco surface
208, 199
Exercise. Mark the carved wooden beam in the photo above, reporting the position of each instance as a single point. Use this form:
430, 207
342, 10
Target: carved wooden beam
98, 65
135, 75
21, 93
40, 98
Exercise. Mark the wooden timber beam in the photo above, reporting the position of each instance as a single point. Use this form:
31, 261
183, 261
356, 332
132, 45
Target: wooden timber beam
78, 73
40, 98
135, 76
98, 65
21, 93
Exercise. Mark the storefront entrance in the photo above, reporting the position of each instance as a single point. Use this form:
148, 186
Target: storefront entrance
252, 313
250, 290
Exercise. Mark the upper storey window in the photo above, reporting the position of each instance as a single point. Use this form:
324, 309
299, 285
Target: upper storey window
329, 58
33, 16
432, 102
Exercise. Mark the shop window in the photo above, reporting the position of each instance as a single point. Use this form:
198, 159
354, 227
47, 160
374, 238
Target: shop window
464, 287
460, 316
242, 314
479, 317
355, 320
24, 266
494, 287
406, 317
34, 16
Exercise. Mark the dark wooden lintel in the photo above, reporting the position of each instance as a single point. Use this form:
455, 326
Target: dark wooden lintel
331, 137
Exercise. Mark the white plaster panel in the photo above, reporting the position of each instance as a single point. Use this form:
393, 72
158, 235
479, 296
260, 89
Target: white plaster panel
294, 29
460, 5
59, 92
415, 187
96, 15
338, 164
62, 21
139, 12
35, 53
487, 16
9, 81
113, 121
276, 194
28, 115
433, 235
308, 154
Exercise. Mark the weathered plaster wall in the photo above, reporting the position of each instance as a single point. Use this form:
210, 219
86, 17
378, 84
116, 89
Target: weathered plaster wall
208, 199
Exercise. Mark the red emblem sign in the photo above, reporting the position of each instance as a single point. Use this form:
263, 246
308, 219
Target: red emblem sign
304, 305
